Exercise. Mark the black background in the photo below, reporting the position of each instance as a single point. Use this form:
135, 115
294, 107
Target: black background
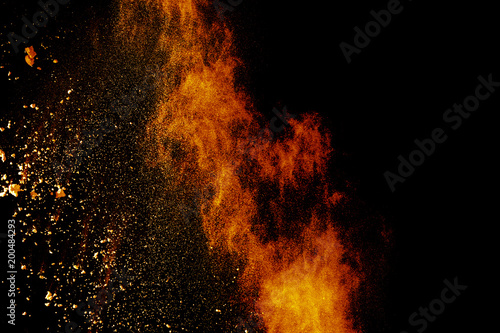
395, 91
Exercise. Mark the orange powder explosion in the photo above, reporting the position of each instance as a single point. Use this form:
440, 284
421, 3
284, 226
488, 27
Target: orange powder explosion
275, 216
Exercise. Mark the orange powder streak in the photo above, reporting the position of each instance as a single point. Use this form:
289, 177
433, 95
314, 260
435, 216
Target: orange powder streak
298, 272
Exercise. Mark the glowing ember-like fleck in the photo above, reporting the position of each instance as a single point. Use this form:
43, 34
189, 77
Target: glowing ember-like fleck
49, 296
14, 189
30, 57
60, 193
